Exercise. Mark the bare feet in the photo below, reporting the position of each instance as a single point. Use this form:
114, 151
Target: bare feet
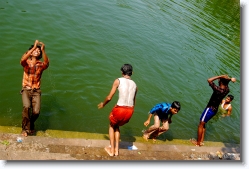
32, 132
116, 153
193, 141
154, 139
24, 133
145, 137
108, 150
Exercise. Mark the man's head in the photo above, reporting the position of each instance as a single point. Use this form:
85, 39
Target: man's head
229, 98
175, 107
225, 82
37, 52
126, 69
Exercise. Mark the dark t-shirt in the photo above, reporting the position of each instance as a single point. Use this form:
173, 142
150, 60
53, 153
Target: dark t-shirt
217, 96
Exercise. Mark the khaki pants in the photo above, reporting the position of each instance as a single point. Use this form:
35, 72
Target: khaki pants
31, 99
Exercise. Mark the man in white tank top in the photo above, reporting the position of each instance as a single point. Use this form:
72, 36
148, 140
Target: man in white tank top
226, 105
123, 110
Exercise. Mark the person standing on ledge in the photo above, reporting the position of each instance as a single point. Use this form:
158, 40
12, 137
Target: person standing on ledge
31, 93
123, 110
219, 92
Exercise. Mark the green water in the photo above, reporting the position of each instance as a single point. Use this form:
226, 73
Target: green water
174, 47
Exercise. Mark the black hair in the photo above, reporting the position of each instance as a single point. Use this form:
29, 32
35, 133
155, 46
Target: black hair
224, 81
126, 69
176, 105
39, 57
230, 96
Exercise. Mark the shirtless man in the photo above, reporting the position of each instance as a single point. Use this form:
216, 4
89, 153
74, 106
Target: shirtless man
123, 110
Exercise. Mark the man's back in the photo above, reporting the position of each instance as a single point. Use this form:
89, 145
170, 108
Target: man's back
127, 90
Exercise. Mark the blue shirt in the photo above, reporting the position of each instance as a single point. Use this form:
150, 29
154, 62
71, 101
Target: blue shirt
162, 110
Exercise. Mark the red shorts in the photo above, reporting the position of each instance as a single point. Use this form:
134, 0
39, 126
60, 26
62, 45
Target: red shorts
120, 115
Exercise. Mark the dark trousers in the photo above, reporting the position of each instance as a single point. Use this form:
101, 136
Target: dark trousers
31, 99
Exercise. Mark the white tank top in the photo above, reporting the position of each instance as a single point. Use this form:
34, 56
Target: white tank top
127, 89
226, 107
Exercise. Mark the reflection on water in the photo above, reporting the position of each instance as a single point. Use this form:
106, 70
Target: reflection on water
174, 48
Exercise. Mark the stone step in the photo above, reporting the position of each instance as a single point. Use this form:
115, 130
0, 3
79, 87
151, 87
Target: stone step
47, 148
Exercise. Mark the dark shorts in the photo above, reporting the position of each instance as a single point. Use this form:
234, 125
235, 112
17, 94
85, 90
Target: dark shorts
162, 116
120, 115
207, 114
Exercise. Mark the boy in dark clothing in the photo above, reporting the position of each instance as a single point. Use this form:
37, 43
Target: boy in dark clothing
219, 92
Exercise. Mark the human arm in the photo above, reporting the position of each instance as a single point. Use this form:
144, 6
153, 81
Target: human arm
210, 80
217, 77
134, 100
229, 111
44, 55
109, 97
147, 122
26, 55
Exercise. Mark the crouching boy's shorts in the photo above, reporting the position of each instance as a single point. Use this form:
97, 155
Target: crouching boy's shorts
120, 115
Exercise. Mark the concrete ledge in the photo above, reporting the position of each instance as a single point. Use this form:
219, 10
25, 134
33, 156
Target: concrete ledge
49, 148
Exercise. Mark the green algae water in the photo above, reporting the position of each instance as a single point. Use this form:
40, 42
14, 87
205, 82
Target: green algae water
174, 47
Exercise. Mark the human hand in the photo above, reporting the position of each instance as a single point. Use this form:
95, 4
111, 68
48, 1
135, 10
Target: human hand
233, 79
42, 45
100, 105
36, 43
146, 123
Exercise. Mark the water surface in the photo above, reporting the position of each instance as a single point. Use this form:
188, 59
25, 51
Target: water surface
174, 47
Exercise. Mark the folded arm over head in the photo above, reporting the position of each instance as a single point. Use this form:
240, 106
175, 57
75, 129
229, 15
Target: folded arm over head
222, 77
26, 55
217, 77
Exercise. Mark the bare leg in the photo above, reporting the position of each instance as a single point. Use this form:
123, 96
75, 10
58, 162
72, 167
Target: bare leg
110, 150
117, 137
161, 130
200, 133
152, 128
154, 135
164, 128
203, 134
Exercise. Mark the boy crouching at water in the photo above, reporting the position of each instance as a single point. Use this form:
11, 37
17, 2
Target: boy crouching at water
162, 112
